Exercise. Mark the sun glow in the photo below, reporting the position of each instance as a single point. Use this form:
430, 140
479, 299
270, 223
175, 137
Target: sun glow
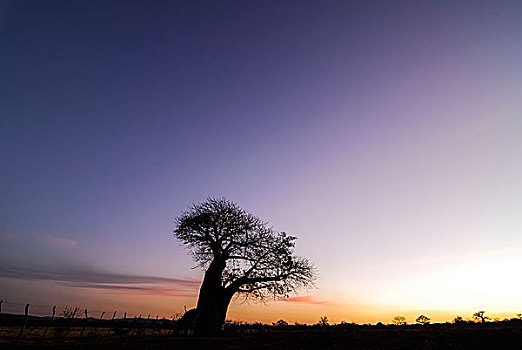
481, 280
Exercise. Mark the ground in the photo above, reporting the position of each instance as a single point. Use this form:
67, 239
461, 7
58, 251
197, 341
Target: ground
360, 337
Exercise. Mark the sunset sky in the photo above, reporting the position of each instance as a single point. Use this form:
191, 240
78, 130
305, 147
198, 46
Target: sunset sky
385, 135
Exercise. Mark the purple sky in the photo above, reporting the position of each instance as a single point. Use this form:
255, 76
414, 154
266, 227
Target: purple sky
386, 135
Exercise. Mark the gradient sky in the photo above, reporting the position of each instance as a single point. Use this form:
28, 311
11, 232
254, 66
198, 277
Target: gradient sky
385, 135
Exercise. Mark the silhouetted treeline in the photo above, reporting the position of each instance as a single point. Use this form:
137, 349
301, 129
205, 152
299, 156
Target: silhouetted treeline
12, 320
238, 327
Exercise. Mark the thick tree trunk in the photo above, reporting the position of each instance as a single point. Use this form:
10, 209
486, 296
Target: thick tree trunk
213, 302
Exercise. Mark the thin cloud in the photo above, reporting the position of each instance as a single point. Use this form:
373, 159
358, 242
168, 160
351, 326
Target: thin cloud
306, 299
92, 279
63, 242
6, 234
137, 289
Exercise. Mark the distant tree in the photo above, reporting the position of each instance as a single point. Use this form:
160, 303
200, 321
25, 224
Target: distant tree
458, 319
240, 254
281, 323
423, 320
399, 320
480, 316
323, 321
176, 316
69, 312
519, 316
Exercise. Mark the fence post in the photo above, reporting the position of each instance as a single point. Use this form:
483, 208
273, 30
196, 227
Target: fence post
173, 325
50, 323
26, 315
154, 326
111, 325
84, 324
123, 323
134, 326
1, 301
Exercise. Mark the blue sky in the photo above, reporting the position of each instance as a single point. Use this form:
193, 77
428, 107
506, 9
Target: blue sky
381, 134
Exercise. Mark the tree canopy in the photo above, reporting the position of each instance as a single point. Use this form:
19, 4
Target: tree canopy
258, 260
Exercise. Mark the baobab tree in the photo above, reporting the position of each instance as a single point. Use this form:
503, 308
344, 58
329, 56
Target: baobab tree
241, 255
399, 320
480, 316
423, 320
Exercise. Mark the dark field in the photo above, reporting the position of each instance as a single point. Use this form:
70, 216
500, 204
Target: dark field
437, 336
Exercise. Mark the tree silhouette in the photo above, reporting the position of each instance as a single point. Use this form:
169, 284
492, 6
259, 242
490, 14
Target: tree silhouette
240, 254
281, 323
399, 320
480, 316
323, 321
458, 319
422, 319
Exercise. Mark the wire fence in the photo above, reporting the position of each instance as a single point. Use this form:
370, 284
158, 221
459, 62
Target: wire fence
36, 322
10, 307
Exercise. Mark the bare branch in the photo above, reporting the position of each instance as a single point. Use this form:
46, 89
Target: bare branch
255, 259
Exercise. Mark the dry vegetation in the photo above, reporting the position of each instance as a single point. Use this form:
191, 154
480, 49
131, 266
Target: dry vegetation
463, 335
